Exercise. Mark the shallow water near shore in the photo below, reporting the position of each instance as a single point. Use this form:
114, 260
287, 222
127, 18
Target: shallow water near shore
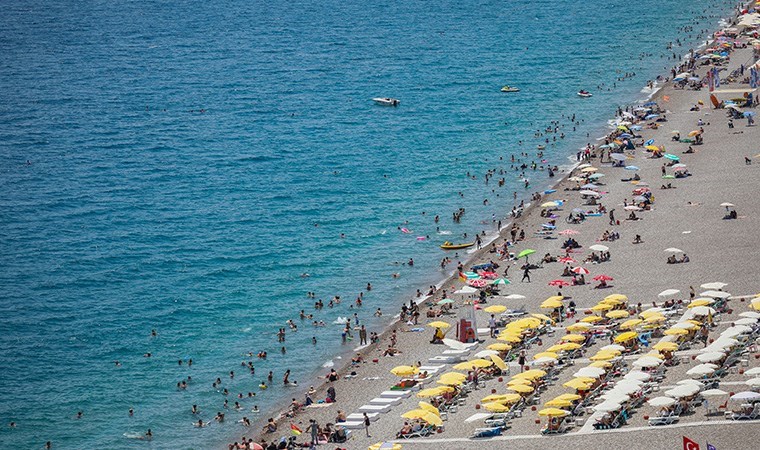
180, 155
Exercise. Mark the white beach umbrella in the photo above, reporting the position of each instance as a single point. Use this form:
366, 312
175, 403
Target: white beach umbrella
617, 347
485, 353
466, 290
626, 388
683, 390
684, 326
752, 372
668, 293
637, 375
694, 382
746, 321
590, 193
746, 395
715, 285
607, 406
592, 372
710, 357
702, 311
750, 314
713, 393
647, 362
515, 297
661, 401
753, 382
673, 250
736, 330
544, 360
599, 248
702, 369
715, 294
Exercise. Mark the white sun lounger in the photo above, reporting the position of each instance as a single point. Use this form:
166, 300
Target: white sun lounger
432, 370
374, 408
385, 401
444, 359
396, 394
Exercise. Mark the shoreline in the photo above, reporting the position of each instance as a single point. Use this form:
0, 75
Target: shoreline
343, 367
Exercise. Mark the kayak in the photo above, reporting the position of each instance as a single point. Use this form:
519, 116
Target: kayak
449, 246
510, 89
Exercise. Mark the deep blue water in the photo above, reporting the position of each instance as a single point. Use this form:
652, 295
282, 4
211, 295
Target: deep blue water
136, 211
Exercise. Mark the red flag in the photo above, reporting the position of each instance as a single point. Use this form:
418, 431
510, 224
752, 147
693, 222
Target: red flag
688, 444
297, 431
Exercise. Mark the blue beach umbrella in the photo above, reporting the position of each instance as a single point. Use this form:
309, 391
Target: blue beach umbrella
649, 142
631, 168
626, 135
671, 156
651, 116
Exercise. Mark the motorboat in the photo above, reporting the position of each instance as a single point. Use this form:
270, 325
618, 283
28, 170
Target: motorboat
584, 93
449, 246
509, 88
386, 101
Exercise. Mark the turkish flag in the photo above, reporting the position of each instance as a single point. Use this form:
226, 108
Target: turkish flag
688, 444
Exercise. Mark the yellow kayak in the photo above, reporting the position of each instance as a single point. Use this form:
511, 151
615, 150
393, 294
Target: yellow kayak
449, 246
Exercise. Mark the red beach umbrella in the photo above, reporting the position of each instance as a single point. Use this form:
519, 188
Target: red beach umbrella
567, 259
559, 283
569, 232
603, 278
580, 270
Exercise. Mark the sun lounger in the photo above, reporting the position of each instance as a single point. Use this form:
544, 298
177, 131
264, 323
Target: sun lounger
432, 370
669, 419
352, 425
385, 401
374, 408
486, 432
396, 394
354, 417
422, 432
754, 414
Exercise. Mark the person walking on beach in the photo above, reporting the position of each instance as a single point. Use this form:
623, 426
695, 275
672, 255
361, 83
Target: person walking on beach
313, 428
363, 336
492, 325
526, 274
521, 360
366, 424
612, 216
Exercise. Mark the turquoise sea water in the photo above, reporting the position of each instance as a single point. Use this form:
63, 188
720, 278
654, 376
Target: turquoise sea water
136, 211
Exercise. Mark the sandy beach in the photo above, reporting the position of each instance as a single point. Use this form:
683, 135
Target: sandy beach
688, 217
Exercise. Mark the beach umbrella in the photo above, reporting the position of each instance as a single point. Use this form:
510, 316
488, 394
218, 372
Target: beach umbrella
637, 375
745, 321
589, 169
580, 270
485, 353
531, 374
750, 314
546, 355
542, 317
384, 446
445, 301
551, 304
665, 346
673, 250
613, 348
591, 186
668, 293
736, 330
495, 309
656, 311
753, 371
604, 356
599, 248
405, 371
661, 401
617, 314
496, 407
435, 392
567, 259
454, 344
694, 133
499, 362
631, 168
579, 384
558, 283
553, 412
753, 382
715, 294
603, 277
746, 395
607, 406
515, 297
478, 282
573, 338
686, 325
559, 403
569, 232
647, 362
618, 157
596, 176
702, 369
521, 388
671, 156
477, 363
696, 383
683, 390
617, 299
713, 393
501, 398
501, 282
653, 148
579, 327
700, 302
550, 204
590, 372
715, 285
590, 193
466, 290
602, 307
676, 332
511, 338
499, 346
632, 208
655, 318
626, 336
424, 415
438, 324
702, 311
430, 408
630, 324
592, 319
515, 381
526, 252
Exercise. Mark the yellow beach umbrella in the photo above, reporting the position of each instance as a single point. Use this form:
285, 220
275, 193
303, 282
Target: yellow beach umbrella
676, 332
604, 356
546, 355
428, 407
549, 205
514, 381
578, 384
422, 414
452, 379
405, 371
616, 297
592, 319
755, 306
496, 407
439, 324
555, 348
573, 338
556, 297
626, 336
499, 362
655, 319
570, 346
435, 392
617, 314
579, 327
553, 412
630, 324
543, 317
602, 307
477, 363
512, 338
500, 347
521, 388
701, 302
654, 148
531, 374
495, 309
559, 403
654, 354
526, 322
501, 398
601, 364
571, 397
551, 304
385, 446
649, 313
665, 346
